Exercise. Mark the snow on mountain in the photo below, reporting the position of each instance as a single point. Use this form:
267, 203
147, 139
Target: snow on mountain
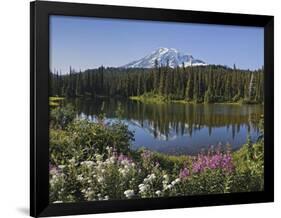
164, 55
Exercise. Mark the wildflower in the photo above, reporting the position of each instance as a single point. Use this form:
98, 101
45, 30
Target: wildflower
98, 157
112, 159
99, 196
184, 173
142, 188
129, 193
152, 176
123, 172
100, 179
80, 178
158, 192
123, 159
146, 154
72, 160
53, 170
217, 160
61, 167
87, 163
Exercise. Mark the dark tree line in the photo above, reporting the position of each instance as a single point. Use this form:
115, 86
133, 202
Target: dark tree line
212, 83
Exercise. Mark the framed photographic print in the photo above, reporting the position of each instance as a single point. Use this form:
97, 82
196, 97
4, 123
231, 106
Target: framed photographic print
140, 108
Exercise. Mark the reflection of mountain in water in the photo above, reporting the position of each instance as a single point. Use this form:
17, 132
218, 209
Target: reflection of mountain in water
165, 121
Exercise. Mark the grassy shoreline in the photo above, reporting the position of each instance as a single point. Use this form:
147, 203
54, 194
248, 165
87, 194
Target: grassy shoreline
159, 99
163, 100
54, 101
150, 98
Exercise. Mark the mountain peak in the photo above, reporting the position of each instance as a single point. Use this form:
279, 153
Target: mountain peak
165, 55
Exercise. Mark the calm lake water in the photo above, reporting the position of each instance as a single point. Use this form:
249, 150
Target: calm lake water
176, 128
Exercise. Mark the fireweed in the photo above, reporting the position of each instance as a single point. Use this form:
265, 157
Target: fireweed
93, 161
118, 176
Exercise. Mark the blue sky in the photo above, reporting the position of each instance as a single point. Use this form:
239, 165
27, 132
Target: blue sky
85, 43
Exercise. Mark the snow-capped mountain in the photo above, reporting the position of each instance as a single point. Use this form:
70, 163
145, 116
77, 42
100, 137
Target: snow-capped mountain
164, 55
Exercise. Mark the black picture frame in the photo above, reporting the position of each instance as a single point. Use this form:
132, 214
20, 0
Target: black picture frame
39, 107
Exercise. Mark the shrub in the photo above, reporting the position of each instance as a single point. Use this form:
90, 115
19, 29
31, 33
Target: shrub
82, 139
60, 117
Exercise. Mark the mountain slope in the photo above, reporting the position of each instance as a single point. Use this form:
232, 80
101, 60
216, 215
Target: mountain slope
164, 55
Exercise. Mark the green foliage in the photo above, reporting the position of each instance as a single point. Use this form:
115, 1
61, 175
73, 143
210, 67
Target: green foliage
171, 162
93, 161
82, 139
142, 175
62, 116
212, 83
249, 161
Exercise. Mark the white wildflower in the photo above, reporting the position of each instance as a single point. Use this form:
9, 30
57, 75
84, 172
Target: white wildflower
100, 179
158, 192
152, 176
112, 159
61, 166
80, 178
98, 157
129, 193
143, 187
122, 171
87, 163
72, 160
124, 162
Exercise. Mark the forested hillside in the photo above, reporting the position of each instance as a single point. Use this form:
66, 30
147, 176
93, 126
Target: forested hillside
211, 83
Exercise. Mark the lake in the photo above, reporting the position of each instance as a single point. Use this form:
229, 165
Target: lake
176, 128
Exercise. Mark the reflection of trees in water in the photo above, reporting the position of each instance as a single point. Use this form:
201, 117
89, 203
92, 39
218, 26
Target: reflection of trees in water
178, 118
